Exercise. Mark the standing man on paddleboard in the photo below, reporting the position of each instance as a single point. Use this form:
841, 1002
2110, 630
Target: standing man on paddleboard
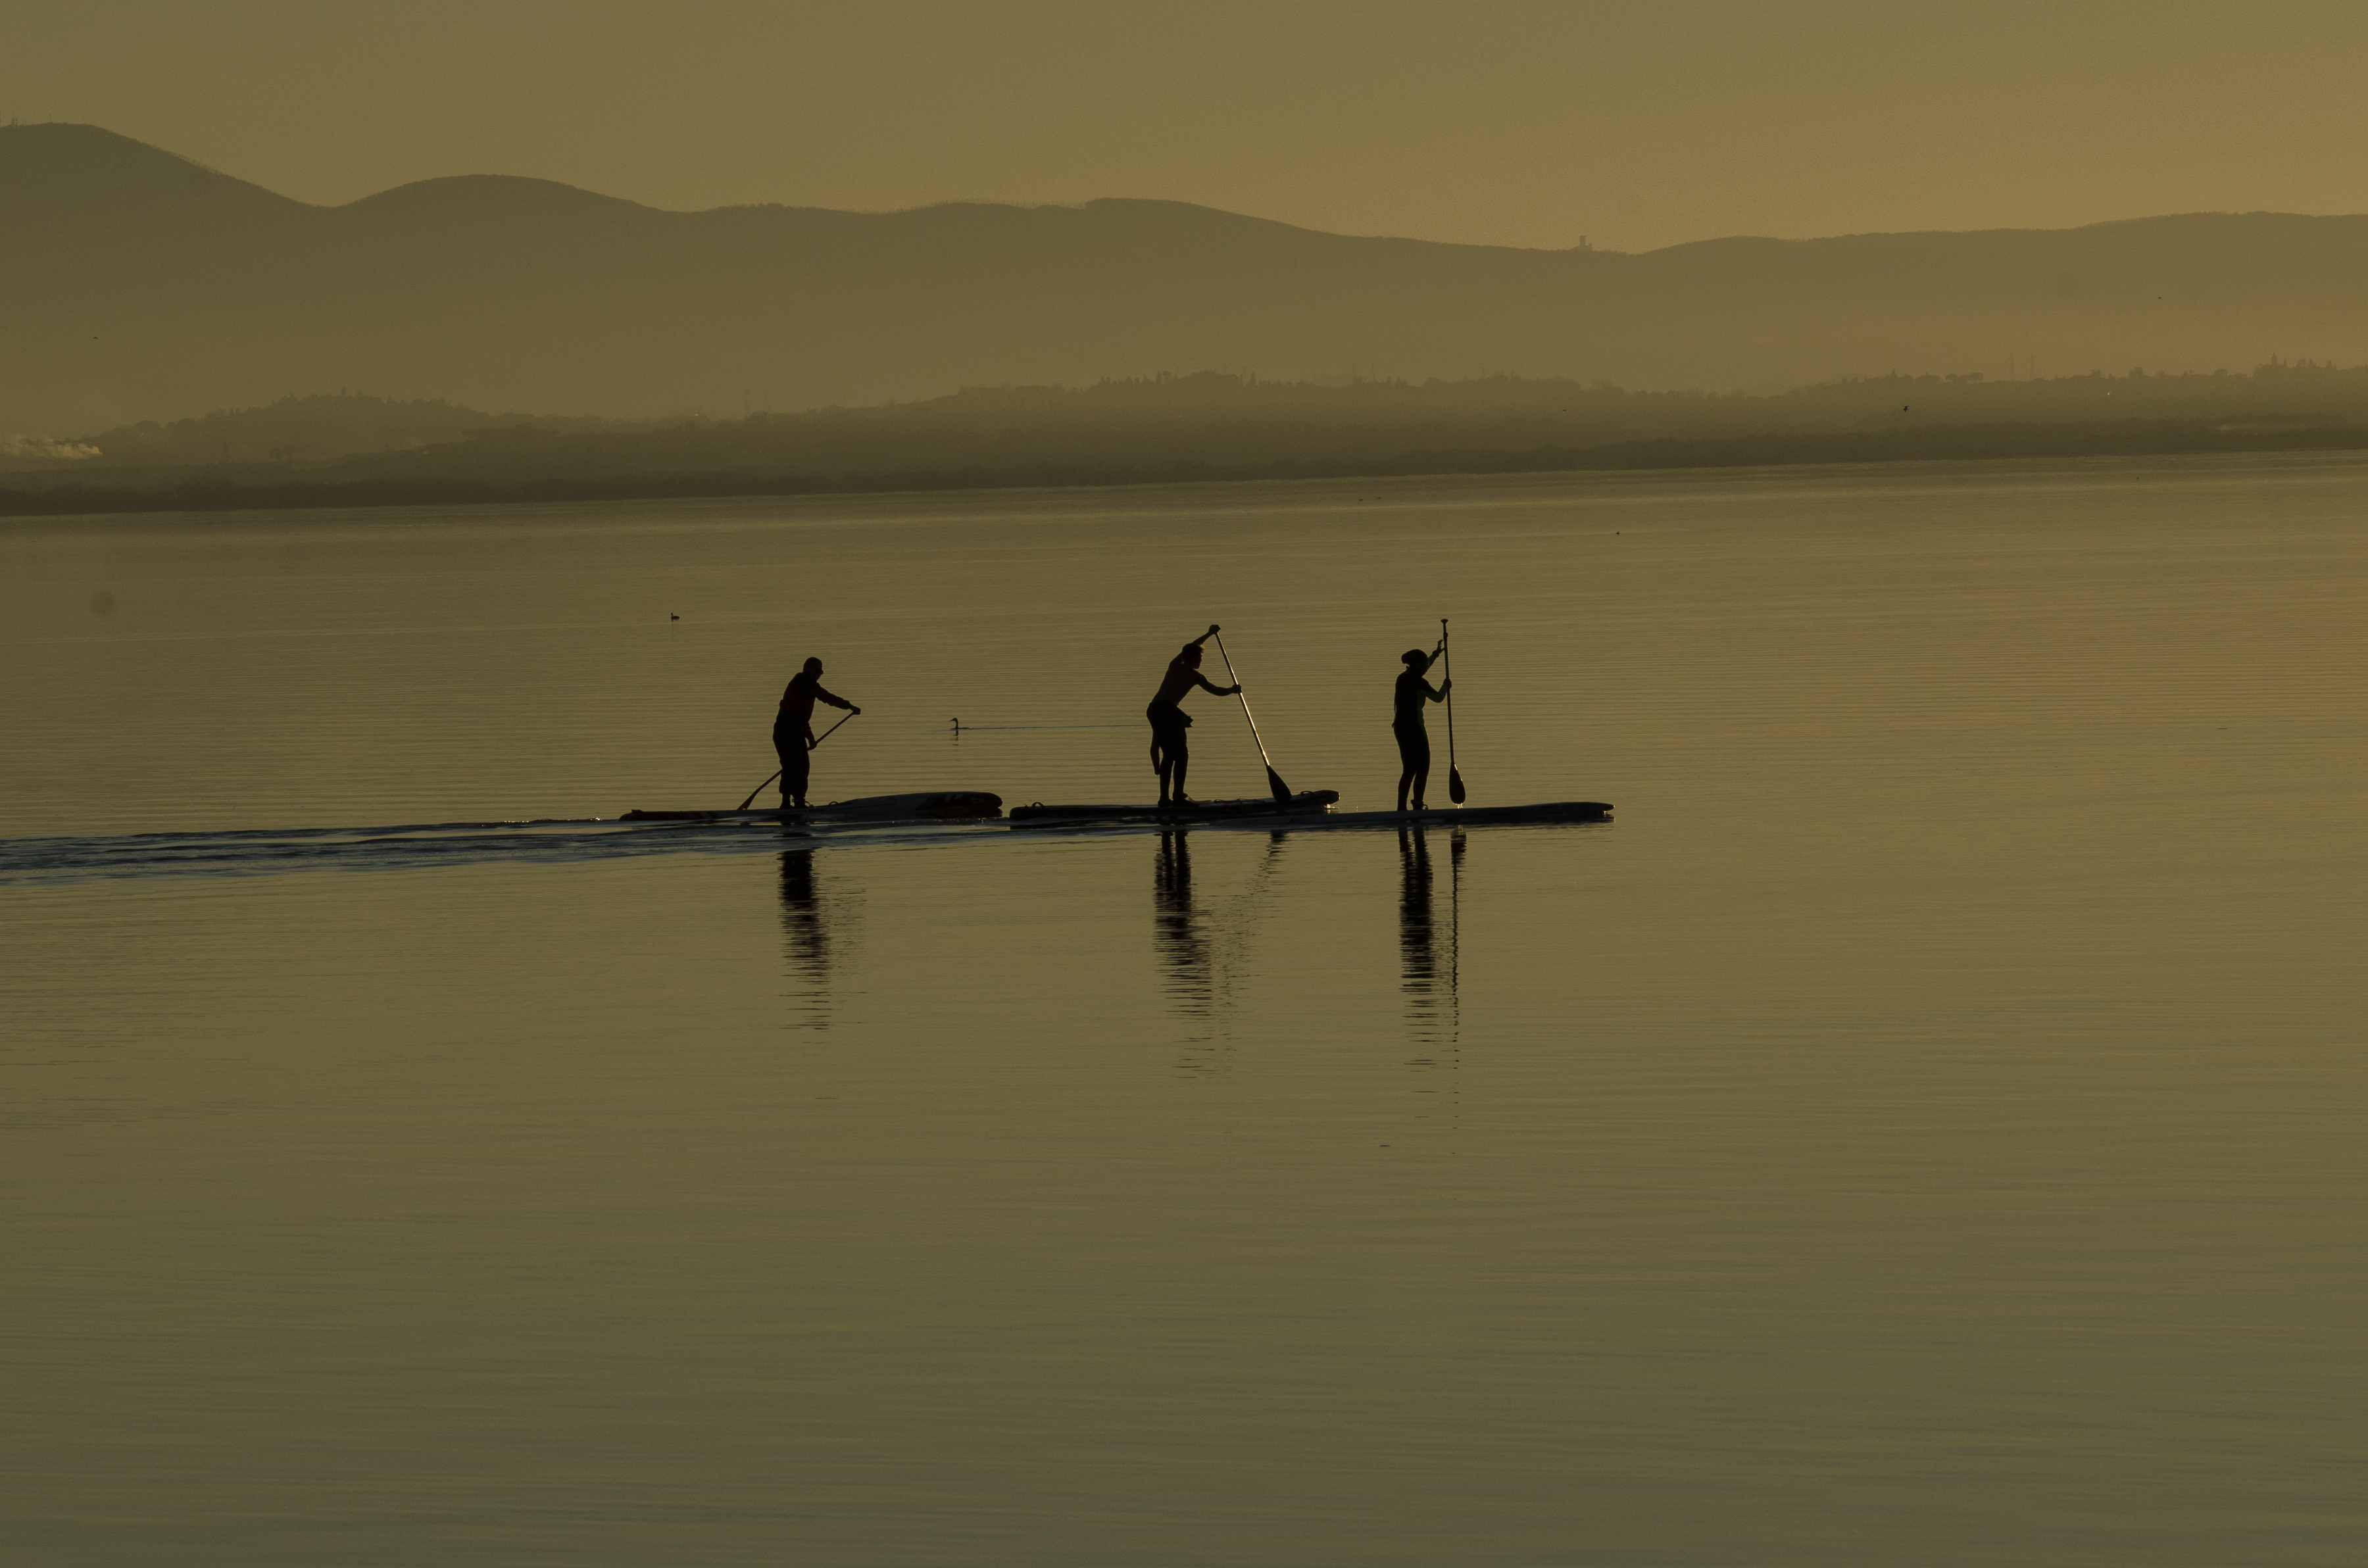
793, 729
1413, 741
1169, 753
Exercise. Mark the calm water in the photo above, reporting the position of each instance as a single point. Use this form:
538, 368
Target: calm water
1924, 1128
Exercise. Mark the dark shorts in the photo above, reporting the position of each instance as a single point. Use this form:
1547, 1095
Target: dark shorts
1414, 748
1169, 723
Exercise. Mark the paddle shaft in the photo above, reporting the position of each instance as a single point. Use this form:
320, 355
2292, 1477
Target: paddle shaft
776, 772
1447, 671
1273, 780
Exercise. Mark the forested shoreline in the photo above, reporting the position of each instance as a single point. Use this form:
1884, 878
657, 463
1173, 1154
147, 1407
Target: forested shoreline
1947, 443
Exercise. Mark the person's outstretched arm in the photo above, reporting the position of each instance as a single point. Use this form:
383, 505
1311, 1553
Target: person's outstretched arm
836, 702
1204, 680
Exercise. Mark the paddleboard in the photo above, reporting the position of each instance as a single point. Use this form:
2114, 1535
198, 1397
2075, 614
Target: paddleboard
1196, 810
1437, 816
942, 805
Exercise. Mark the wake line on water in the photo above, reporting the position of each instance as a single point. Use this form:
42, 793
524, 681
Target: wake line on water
253, 852
245, 852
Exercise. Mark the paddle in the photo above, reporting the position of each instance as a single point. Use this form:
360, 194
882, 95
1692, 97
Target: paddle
824, 736
776, 772
1447, 664
1273, 780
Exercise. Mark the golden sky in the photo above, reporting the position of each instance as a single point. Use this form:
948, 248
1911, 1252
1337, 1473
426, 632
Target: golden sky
1637, 125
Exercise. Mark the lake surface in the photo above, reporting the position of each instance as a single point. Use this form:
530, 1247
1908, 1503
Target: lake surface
1923, 1128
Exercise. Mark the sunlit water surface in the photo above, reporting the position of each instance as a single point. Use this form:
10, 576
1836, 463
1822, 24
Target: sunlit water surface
1923, 1128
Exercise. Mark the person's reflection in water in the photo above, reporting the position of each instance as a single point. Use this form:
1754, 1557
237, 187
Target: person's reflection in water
1417, 950
1183, 950
1428, 977
805, 939
1203, 947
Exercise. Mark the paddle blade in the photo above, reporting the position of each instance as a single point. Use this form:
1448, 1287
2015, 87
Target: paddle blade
1455, 786
1281, 790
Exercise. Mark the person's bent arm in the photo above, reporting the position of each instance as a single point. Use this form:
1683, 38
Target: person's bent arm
1207, 685
1439, 692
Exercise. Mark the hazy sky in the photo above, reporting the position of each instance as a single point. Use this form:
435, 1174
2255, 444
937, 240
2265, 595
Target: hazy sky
1638, 124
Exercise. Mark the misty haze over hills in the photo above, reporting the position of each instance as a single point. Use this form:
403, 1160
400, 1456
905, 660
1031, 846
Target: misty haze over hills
139, 286
363, 450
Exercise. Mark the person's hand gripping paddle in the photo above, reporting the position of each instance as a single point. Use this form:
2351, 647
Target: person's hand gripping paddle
1273, 780
1447, 670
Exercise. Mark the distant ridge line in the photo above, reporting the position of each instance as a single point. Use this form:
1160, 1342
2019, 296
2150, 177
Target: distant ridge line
1090, 203
141, 285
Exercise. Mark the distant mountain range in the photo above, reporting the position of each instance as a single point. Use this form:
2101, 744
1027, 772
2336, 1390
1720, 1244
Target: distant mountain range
136, 285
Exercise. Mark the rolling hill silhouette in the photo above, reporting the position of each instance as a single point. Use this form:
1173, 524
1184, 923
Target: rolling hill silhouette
137, 285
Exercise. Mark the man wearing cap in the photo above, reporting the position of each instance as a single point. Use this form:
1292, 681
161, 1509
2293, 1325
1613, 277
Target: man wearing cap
793, 729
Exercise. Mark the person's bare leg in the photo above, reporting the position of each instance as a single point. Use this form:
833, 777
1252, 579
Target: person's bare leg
1414, 769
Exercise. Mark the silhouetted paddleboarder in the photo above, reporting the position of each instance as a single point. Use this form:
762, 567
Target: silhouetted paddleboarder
1406, 723
793, 729
1170, 752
